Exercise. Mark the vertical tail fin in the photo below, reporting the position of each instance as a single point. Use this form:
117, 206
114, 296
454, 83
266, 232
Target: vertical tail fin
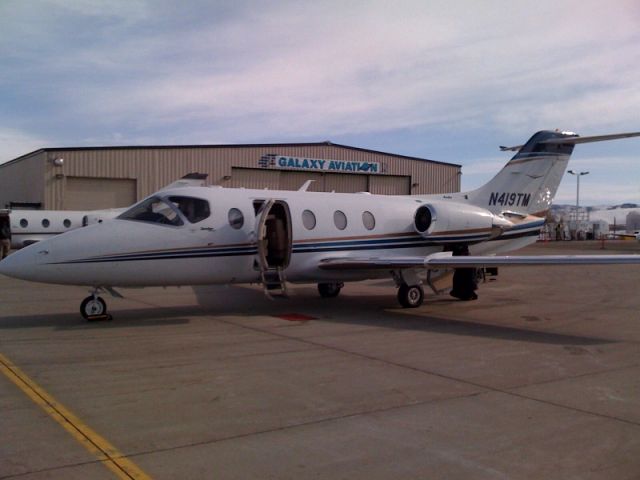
528, 183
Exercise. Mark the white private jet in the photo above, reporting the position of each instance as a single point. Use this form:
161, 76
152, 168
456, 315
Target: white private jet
32, 226
215, 235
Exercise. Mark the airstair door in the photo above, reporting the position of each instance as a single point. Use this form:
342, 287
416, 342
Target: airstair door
274, 240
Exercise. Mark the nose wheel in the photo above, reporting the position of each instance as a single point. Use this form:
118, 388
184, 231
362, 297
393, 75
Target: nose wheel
93, 307
410, 296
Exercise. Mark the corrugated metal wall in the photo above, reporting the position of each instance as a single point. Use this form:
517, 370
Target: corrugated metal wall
23, 180
155, 167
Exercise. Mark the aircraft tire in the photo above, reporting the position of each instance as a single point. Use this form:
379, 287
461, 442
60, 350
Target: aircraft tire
93, 306
410, 296
329, 290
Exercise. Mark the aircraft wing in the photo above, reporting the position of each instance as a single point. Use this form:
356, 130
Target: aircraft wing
446, 260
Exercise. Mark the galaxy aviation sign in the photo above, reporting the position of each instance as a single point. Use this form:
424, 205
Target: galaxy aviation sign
319, 165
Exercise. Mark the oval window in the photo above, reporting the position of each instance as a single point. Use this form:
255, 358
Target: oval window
340, 219
66, 223
24, 223
236, 219
308, 220
45, 223
368, 220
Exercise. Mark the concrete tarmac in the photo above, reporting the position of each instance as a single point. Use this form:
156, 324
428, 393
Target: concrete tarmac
539, 378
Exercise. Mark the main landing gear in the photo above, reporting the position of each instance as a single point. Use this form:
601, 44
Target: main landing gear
410, 296
410, 293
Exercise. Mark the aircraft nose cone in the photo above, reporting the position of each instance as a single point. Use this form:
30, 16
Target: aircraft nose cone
19, 264
8, 265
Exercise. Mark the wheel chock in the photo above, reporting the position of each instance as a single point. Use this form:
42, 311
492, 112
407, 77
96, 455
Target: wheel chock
99, 318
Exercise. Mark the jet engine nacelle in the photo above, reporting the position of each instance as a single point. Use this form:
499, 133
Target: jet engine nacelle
452, 222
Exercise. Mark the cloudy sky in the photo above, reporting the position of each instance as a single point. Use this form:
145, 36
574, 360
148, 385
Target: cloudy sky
445, 80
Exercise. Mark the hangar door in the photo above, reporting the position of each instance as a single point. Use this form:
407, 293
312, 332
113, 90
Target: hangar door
323, 182
82, 193
390, 184
253, 178
294, 180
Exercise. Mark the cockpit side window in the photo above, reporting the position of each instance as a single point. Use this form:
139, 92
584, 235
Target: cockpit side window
194, 209
153, 210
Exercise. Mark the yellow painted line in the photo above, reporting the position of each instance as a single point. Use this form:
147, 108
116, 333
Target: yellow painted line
106, 453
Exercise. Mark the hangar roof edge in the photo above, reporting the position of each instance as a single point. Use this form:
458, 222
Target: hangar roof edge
239, 145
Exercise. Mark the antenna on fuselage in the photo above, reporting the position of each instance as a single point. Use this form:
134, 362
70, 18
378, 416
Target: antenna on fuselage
305, 185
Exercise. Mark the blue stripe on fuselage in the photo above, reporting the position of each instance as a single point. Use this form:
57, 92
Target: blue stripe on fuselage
402, 242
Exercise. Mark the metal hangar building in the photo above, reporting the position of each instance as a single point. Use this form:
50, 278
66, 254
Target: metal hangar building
88, 178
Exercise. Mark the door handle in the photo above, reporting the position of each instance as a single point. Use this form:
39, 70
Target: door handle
209, 229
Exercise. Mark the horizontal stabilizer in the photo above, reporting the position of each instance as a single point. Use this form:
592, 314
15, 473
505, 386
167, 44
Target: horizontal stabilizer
574, 140
593, 138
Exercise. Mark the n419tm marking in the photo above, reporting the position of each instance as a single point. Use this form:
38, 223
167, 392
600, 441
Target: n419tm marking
509, 199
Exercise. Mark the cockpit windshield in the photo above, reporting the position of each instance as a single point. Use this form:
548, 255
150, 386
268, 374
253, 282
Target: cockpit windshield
194, 209
169, 211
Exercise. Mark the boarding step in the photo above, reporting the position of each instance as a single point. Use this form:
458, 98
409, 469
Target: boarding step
274, 283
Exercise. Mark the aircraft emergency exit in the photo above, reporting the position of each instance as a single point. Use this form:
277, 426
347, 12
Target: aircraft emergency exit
214, 235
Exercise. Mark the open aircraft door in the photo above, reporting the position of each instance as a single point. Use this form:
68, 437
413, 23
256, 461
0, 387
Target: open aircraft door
274, 241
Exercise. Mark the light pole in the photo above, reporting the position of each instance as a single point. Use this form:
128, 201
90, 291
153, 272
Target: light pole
578, 175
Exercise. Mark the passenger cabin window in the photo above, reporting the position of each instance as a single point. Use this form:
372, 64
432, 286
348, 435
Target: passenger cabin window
154, 210
45, 223
340, 220
368, 220
24, 223
236, 219
308, 220
66, 223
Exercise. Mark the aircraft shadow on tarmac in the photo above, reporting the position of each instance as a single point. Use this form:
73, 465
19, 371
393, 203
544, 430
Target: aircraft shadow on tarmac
360, 309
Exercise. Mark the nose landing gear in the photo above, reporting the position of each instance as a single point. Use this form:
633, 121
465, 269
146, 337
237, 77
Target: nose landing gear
94, 308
